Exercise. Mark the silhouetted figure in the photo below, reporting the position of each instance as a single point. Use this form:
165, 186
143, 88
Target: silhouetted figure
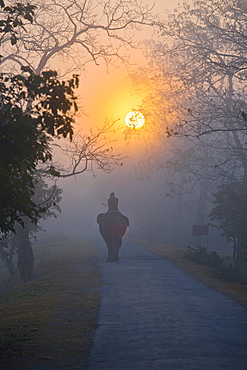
112, 226
113, 203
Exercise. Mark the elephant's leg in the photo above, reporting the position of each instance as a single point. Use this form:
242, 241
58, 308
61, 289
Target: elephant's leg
108, 240
116, 246
112, 254
110, 248
113, 250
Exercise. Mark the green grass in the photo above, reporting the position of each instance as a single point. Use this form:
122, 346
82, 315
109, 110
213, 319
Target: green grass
51, 319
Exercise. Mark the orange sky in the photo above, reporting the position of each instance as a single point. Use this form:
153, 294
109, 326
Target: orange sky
111, 95
107, 96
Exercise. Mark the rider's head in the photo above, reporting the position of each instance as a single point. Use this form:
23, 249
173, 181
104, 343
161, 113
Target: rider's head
112, 195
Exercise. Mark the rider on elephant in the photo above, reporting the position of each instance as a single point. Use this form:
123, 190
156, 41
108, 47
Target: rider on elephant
112, 226
113, 203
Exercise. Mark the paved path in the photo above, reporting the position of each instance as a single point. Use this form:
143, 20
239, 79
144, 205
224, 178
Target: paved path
153, 316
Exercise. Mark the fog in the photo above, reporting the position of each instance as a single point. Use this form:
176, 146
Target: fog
152, 215
106, 91
166, 180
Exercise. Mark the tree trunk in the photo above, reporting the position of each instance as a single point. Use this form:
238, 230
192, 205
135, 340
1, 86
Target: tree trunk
175, 216
240, 246
241, 256
8, 259
202, 202
25, 262
201, 206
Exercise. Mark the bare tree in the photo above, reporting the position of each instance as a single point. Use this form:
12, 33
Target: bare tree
209, 54
78, 32
91, 152
198, 79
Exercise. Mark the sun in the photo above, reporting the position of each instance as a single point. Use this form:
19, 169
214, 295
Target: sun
134, 120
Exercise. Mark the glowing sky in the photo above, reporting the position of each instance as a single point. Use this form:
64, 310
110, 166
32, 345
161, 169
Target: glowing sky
111, 94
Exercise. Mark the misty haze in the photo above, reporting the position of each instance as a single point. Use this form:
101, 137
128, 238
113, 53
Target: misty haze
123, 239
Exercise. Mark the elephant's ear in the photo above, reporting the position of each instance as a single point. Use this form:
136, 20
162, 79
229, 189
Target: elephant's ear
127, 220
99, 217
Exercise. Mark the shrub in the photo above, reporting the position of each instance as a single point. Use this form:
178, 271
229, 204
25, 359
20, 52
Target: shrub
212, 259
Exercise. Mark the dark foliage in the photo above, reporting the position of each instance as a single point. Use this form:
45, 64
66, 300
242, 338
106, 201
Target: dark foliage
211, 259
33, 108
229, 212
14, 17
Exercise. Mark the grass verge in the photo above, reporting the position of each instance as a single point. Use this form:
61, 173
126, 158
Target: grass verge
206, 275
51, 320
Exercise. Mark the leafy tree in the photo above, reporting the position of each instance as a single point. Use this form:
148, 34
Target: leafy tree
33, 108
230, 213
47, 198
7, 252
13, 20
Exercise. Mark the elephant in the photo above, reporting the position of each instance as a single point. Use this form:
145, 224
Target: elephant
112, 227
